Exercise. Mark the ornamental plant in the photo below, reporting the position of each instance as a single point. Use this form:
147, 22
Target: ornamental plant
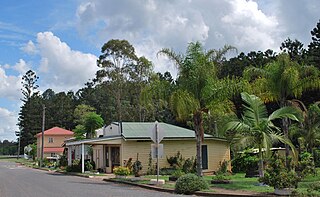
121, 171
189, 183
278, 176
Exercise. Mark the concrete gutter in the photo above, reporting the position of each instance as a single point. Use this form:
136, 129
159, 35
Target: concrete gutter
168, 190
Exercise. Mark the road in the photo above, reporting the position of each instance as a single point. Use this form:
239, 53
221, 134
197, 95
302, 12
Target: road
20, 181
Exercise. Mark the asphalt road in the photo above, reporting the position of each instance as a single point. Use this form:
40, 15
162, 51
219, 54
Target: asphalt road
19, 181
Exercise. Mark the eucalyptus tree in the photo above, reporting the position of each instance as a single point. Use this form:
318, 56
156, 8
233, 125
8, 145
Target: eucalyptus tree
116, 63
197, 87
281, 80
255, 128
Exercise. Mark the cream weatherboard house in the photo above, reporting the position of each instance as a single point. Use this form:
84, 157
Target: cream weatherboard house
120, 141
53, 141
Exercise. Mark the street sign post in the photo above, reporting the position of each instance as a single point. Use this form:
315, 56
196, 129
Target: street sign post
157, 149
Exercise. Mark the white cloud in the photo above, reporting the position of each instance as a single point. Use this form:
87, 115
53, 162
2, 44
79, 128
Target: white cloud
151, 24
8, 125
22, 67
10, 85
29, 48
62, 68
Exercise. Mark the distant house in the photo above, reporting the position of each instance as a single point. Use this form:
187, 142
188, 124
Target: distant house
121, 141
53, 140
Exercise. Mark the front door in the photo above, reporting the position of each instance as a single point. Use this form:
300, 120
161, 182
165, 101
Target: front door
204, 152
115, 157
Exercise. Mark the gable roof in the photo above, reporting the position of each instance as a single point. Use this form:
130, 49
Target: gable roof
56, 131
142, 130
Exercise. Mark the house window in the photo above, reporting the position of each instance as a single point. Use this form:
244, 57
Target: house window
53, 154
50, 140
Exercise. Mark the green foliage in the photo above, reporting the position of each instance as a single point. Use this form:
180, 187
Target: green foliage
75, 166
189, 183
278, 176
88, 166
243, 161
63, 161
136, 167
306, 165
256, 127
167, 171
220, 177
176, 161
92, 121
79, 132
189, 165
178, 173
223, 167
122, 171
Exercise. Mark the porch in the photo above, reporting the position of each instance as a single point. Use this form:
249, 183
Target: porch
106, 152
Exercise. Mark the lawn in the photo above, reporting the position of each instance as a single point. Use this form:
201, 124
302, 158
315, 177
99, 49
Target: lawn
238, 182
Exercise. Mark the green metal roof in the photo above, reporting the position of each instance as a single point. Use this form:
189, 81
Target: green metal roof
141, 130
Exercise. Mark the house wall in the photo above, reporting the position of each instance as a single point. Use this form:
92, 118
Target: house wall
217, 151
58, 140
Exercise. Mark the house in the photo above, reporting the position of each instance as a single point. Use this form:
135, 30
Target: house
122, 141
53, 140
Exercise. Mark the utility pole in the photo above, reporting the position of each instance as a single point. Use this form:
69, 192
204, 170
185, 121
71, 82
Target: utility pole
42, 132
19, 144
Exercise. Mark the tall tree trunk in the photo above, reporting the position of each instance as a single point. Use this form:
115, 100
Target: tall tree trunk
261, 173
197, 118
285, 128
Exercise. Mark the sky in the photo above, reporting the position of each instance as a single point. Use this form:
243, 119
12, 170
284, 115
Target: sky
61, 40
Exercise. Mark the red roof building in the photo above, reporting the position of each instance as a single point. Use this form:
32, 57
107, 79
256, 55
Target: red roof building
53, 140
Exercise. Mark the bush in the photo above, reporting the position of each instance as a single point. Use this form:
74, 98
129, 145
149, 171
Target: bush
88, 166
176, 160
122, 171
189, 183
167, 171
278, 176
244, 161
63, 161
223, 167
136, 167
306, 165
188, 166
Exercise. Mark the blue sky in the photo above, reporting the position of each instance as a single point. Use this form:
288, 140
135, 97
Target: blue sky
61, 40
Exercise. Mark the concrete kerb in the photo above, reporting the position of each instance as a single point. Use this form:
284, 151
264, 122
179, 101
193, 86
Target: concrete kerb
198, 193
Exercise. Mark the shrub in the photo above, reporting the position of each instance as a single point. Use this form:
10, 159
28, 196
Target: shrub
188, 165
223, 167
88, 166
176, 160
189, 183
136, 167
305, 165
244, 161
278, 176
122, 171
63, 161
167, 171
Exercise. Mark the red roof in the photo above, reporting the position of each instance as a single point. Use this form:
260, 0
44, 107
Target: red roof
53, 150
56, 131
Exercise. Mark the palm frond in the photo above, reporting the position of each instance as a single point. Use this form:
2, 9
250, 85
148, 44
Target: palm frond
183, 104
287, 112
169, 53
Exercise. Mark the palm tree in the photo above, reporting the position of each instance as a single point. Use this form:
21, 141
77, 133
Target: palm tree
256, 127
280, 80
308, 132
197, 87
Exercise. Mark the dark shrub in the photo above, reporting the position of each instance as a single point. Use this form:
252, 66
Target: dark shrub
189, 183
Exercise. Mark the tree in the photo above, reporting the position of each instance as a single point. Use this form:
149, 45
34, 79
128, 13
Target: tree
115, 63
92, 121
308, 132
294, 49
81, 111
281, 80
314, 47
256, 127
197, 87
29, 85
